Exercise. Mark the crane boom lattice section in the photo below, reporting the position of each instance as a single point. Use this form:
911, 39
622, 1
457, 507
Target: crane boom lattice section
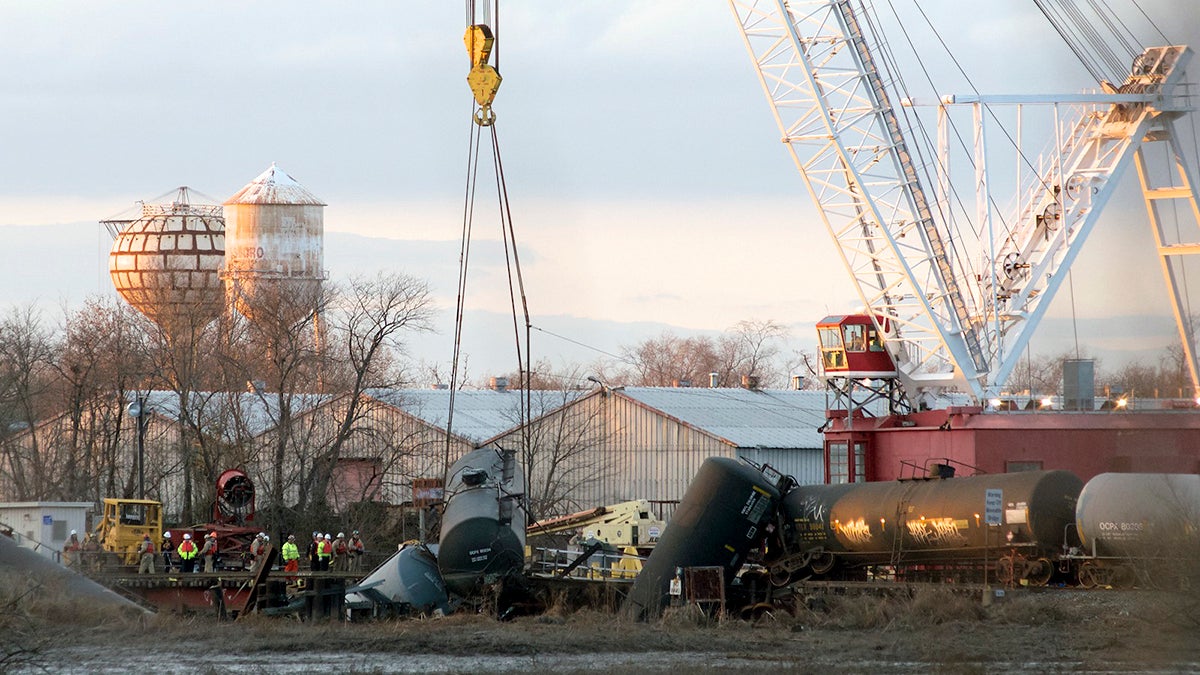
832, 107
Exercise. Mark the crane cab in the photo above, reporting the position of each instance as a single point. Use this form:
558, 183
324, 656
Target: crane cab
852, 347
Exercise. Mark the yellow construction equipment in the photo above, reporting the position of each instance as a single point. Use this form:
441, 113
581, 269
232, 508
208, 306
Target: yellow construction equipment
123, 525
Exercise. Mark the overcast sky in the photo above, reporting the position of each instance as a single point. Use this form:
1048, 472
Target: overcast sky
647, 183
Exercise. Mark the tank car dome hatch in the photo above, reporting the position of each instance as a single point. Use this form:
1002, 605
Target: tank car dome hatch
167, 262
274, 253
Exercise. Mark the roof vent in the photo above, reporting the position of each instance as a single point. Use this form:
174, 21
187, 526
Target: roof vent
713, 378
750, 382
498, 383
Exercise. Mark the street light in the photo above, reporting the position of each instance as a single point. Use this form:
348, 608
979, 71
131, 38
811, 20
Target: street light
139, 411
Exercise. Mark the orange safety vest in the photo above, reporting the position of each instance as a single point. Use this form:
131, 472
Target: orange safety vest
149, 546
187, 550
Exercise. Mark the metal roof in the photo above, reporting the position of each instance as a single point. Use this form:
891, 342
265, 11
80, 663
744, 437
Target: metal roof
258, 413
479, 415
274, 186
743, 417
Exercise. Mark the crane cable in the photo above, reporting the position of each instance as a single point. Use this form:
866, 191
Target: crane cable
484, 80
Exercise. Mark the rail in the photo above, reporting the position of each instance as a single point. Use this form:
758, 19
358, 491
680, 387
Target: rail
593, 564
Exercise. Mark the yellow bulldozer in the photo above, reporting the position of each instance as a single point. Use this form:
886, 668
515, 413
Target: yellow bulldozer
123, 525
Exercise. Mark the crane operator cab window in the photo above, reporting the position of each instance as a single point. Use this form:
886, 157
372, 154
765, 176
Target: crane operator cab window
833, 355
856, 337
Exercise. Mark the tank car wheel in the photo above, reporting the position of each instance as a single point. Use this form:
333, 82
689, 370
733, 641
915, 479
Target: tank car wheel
823, 563
780, 577
1004, 570
1088, 575
1039, 572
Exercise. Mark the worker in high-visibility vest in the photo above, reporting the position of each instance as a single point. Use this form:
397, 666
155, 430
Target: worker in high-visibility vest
291, 555
324, 552
357, 549
146, 549
209, 552
187, 554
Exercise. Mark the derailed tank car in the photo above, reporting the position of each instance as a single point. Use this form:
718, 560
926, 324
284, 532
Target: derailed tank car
725, 512
1138, 524
483, 524
906, 526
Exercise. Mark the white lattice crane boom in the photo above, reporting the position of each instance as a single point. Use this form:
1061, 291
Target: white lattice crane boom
953, 327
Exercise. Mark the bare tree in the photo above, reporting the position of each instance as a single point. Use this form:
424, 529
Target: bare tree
365, 349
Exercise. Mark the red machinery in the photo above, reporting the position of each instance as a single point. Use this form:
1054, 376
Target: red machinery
232, 519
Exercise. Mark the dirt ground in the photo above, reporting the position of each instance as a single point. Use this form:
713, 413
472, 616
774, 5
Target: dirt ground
1052, 630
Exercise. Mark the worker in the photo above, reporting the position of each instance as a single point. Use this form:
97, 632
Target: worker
167, 547
340, 562
314, 563
209, 552
71, 550
146, 551
187, 554
324, 552
357, 549
90, 553
291, 555
256, 548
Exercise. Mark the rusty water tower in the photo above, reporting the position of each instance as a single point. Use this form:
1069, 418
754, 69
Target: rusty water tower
274, 248
166, 262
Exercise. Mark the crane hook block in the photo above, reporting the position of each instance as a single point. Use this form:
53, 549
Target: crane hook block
479, 41
483, 79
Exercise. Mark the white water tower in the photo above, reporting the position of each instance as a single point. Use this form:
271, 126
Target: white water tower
274, 248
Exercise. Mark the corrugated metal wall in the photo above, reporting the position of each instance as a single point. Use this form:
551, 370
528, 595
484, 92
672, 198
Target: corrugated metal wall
633, 452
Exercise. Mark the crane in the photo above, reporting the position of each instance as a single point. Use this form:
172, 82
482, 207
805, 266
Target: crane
885, 199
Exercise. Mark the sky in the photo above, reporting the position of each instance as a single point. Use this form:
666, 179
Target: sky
648, 187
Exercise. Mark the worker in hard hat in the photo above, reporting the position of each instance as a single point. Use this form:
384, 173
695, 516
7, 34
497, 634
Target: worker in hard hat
356, 551
291, 554
187, 554
340, 562
324, 552
209, 552
257, 545
314, 563
167, 546
146, 551
70, 551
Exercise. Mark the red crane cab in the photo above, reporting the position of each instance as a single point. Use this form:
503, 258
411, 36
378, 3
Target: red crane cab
851, 346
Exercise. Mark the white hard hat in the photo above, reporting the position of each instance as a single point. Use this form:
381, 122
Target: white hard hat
341, 535
166, 535
327, 536
187, 536
266, 538
74, 532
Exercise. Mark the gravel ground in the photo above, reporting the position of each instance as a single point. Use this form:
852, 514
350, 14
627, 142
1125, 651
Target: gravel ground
1057, 630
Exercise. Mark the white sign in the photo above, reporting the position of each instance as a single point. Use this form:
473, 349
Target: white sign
993, 507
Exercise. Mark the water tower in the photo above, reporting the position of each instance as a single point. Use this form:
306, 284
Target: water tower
166, 263
274, 253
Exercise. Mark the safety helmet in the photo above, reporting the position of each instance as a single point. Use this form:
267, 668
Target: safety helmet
187, 536
327, 536
316, 534
166, 535
74, 532
291, 537
341, 535
266, 538
262, 535
355, 533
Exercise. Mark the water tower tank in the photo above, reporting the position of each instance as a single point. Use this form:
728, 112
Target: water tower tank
274, 245
166, 263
